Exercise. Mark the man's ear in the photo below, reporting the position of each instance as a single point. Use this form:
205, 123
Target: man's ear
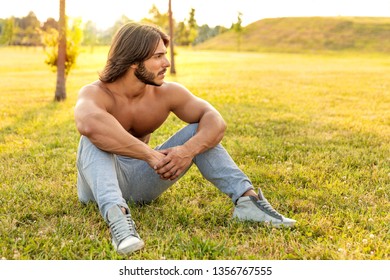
134, 66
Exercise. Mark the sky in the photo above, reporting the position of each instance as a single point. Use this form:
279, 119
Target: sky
211, 12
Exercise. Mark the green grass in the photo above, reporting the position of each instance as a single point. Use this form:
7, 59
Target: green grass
312, 131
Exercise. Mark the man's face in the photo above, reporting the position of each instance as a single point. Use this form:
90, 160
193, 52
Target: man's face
152, 71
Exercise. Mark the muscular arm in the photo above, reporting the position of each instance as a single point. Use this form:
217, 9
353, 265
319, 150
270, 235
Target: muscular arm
211, 128
103, 130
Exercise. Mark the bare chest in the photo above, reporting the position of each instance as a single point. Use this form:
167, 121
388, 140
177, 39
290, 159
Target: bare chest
141, 119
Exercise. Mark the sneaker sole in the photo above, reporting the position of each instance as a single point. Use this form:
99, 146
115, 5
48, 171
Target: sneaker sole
130, 249
268, 223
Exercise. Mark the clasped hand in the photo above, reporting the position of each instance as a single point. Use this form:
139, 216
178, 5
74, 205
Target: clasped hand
175, 161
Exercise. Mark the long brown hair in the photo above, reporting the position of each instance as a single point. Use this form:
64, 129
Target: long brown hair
132, 44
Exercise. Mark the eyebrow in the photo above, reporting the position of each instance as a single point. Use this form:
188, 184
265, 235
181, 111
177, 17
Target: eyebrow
160, 52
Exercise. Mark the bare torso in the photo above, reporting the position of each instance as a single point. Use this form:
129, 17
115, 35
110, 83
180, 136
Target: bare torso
139, 116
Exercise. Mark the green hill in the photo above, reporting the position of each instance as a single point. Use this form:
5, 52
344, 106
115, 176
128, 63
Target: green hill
308, 34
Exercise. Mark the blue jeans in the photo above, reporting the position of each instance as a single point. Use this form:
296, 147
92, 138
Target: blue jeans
110, 179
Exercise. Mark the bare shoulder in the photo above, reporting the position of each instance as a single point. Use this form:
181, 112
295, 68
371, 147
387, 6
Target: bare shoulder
175, 94
173, 88
90, 90
95, 94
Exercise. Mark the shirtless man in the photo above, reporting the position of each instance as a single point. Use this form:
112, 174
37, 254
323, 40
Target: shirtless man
116, 116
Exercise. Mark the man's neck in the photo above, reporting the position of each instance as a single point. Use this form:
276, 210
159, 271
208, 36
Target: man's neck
128, 88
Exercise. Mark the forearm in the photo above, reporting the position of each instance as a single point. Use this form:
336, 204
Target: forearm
108, 135
121, 144
211, 129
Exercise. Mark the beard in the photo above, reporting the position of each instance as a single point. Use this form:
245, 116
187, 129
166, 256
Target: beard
145, 76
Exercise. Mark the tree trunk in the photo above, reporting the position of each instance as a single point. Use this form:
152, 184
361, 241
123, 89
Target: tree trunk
60, 93
173, 69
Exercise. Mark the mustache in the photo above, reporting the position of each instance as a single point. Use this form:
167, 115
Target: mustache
162, 71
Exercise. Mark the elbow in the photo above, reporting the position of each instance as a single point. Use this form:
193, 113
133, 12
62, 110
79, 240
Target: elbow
87, 124
85, 129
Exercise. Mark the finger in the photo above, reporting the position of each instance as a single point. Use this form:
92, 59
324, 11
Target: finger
162, 163
168, 168
164, 151
175, 175
166, 176
171, 174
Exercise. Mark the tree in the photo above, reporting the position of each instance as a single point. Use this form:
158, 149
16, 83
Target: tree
173, 68
187, 31
49, 24
205, 33
30, 20
157, 18
26, 31
60, 93
237, 27
74, 35
62, 47
90, 34
181, 34
192, 27
6, 31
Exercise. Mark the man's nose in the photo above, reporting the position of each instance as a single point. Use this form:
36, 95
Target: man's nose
167, 63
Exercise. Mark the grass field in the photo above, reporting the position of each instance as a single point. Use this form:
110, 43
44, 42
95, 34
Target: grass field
313, 131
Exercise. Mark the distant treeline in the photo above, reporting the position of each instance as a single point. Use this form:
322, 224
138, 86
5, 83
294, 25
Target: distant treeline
28, 30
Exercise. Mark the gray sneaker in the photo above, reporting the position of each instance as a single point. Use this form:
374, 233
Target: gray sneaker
124, 235
260, 210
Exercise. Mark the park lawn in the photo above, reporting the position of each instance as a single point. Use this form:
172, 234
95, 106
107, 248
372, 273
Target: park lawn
312, 131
